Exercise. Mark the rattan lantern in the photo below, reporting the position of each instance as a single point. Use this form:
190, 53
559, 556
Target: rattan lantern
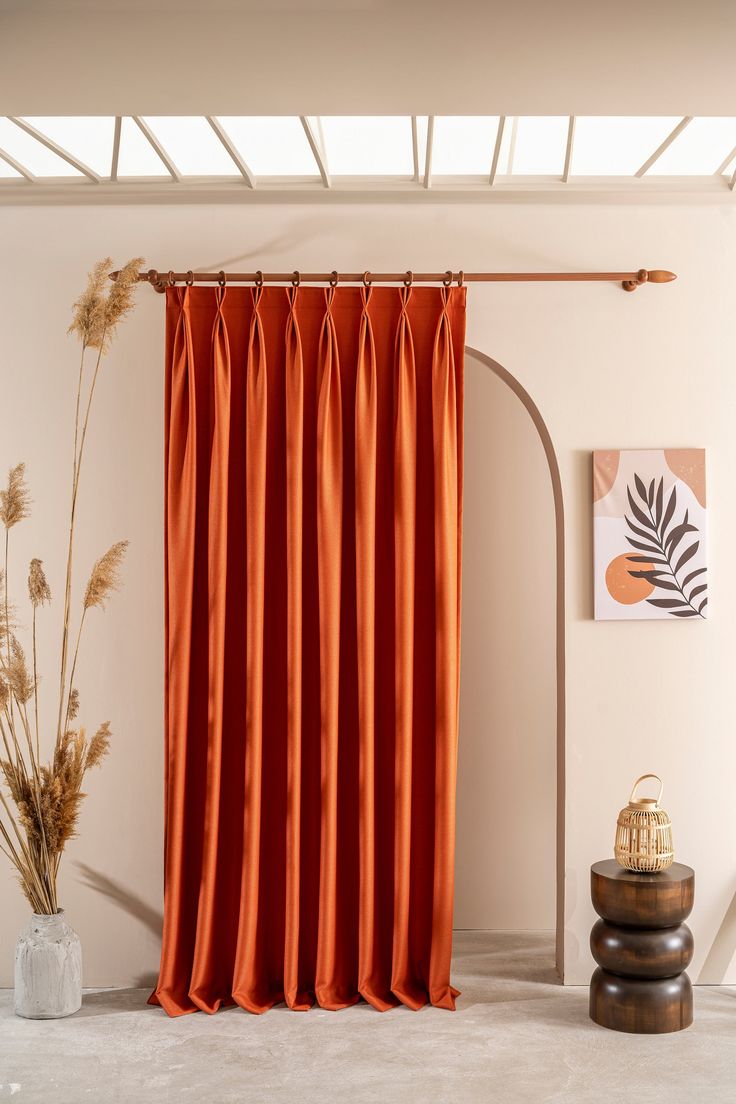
644, 833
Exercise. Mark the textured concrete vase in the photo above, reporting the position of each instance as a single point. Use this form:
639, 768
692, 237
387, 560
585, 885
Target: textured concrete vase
48, 969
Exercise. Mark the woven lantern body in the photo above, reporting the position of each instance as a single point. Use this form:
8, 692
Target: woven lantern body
644, 833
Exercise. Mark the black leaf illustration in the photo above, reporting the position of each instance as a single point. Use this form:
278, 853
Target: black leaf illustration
660, 499
635, 529
659, 543
678, 533
693, 575
687, 555
640, 487
671, 503
643, 547
665, 584
639, 514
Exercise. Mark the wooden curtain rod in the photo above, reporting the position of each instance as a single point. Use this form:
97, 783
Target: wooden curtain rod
630, 281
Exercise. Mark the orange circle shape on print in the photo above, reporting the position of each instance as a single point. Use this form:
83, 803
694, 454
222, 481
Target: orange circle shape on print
622, 586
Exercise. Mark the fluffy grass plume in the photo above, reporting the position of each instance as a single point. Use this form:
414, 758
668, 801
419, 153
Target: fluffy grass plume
104, 303
39, 590
105, 576
14, 499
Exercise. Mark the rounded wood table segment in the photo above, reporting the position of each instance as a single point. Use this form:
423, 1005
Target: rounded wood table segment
656, 900
639, 1006
642, 946
642, 952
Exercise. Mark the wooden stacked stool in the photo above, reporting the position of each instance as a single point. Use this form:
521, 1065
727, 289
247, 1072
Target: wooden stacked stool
642, 946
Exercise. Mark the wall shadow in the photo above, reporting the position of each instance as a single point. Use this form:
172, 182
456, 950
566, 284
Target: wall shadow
722, 949
554, 471
125, 898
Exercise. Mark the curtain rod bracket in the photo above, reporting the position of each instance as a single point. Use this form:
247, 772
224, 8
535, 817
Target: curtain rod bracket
153, 278
642, 277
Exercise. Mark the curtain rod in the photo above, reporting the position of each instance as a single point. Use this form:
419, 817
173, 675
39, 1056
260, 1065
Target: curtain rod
630, 281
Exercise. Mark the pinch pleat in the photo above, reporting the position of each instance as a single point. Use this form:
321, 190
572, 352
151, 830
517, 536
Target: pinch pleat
403, 983
250, 987
172, 989
447, 651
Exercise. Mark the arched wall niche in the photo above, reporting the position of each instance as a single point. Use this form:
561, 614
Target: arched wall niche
533, 434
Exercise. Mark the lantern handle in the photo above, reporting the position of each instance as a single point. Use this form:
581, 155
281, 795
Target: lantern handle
641, 779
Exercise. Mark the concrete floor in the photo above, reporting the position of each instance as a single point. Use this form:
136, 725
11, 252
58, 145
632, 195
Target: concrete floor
517, 1037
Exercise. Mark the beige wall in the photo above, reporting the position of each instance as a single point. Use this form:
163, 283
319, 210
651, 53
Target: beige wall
606, 370
506, 800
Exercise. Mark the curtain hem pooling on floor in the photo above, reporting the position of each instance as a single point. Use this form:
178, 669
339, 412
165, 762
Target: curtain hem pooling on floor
313, 531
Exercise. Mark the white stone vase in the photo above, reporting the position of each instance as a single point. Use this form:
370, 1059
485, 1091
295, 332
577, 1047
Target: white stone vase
48, 969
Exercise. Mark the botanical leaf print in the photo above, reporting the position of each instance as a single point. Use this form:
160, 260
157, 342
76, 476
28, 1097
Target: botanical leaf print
662, 543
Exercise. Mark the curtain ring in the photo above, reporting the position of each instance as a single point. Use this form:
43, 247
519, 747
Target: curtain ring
170, 278
259, 279
460, 278
409, 278
221, 278
296, 278
366, 281
334, 277
190, 278
447, 282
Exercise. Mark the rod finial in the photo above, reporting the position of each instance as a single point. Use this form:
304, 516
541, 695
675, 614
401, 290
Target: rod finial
648, 276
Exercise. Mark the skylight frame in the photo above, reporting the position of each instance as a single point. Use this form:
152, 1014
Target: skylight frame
620, 147
422, 180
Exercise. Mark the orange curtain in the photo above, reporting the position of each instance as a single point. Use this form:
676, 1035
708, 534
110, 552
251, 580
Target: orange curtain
313, 520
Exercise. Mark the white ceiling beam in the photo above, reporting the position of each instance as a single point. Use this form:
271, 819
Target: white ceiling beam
157, 147
116, 147
684, 122
512, 143
497, 149
569, 149
318, 151
58, 150
428, 154
24, 172
234, 153
580, 190
725, 163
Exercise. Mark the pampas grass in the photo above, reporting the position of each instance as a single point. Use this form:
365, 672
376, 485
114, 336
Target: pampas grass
40, 802
15, 500
39, 590
105, 576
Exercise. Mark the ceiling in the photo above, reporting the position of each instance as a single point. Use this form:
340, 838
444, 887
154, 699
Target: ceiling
94, 156
382, 57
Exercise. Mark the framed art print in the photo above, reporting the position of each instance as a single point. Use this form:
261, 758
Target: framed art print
649, 535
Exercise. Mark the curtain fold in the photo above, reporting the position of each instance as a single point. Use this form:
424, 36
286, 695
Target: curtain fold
313, 534
295, 997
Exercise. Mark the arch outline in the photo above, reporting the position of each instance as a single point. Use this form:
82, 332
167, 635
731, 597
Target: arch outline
554, 471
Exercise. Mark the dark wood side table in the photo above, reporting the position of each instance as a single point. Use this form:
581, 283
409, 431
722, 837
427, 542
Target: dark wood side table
642, 946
